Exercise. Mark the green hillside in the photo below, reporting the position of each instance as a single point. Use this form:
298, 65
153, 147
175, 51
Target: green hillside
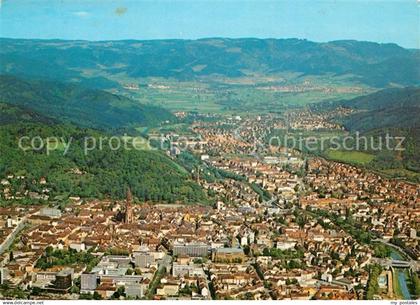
79, 105
392, 112
99, 173
407, 159
402, 117
10, 114
387, 98
398, 107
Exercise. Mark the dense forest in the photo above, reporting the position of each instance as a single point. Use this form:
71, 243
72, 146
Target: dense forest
10, 114
397, 107
393, 112
99, 173
76, 104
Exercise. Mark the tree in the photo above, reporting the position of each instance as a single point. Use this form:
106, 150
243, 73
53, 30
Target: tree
266, 252
36, 291
97, 296
372, 287
74, 289
247, 250
248, 296
120, 292
129, 271
335, 255
381, 251
416, 285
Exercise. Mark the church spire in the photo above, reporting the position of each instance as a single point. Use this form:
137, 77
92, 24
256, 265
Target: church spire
129, 196
128, 208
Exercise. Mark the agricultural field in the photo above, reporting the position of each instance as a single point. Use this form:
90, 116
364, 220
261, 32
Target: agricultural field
242, 95
353, 157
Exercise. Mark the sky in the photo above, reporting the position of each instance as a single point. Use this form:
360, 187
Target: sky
370, 20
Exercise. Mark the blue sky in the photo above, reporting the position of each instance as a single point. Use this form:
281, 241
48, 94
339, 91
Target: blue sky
372, 20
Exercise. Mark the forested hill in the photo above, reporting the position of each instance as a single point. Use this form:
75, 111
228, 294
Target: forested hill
387, 98
393, 112
374, 64
79, 105
101, 173
389, 108
10, 114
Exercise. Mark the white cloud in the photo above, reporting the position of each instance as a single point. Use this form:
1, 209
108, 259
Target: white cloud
81, 14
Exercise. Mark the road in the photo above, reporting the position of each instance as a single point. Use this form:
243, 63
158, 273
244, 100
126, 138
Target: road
9, 240
165, 262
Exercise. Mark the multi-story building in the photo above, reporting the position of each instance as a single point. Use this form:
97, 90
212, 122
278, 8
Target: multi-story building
195, 249
88, 282
63, 279
143, 259
228, 255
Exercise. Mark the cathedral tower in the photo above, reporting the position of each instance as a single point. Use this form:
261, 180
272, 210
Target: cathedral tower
128, 207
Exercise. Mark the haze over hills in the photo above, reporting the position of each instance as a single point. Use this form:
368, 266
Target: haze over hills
370, 63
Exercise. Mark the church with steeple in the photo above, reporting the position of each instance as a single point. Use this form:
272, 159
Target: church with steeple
128, 217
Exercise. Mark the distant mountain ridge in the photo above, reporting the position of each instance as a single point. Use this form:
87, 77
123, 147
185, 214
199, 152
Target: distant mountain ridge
371, 63
79, 105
